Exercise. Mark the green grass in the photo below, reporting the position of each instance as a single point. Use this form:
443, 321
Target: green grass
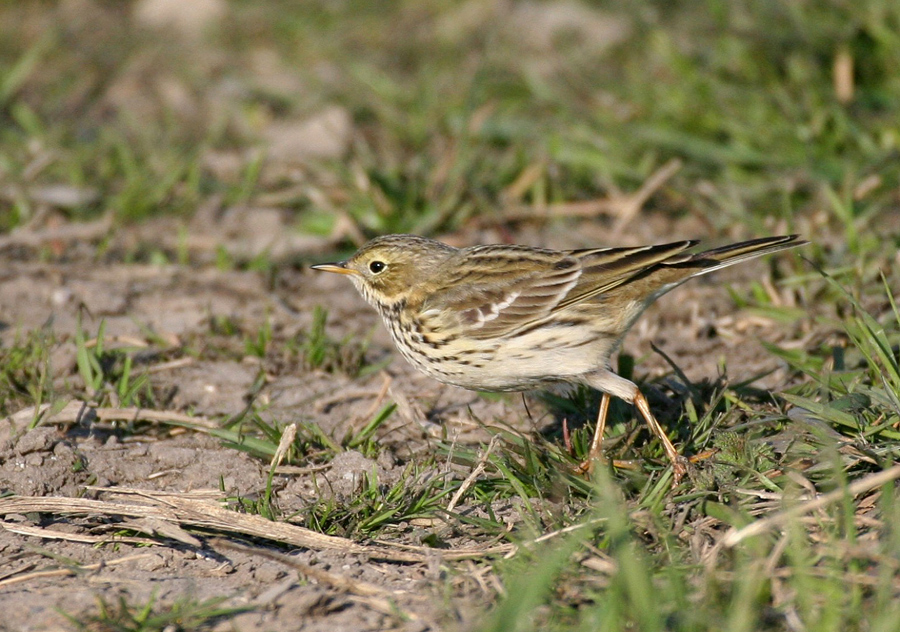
378, 509
315, 349
25, 372
660, 566
184, 614
107, 374
451, 116
620, 575
312, 348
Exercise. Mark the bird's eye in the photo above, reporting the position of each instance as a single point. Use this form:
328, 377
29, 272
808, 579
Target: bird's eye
376, 267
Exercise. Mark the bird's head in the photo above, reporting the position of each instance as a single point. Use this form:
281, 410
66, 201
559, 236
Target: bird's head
388, 270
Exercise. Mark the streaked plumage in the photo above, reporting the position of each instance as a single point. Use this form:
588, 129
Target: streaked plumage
510, 318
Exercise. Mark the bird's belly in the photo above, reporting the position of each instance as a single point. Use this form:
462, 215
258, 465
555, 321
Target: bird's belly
513, 363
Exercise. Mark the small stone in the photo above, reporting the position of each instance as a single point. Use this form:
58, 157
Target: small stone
38, 439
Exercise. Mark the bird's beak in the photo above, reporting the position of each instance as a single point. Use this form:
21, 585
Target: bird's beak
340, 267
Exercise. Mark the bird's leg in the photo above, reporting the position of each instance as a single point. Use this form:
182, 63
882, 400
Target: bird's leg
609, 383
597, 441
679, 469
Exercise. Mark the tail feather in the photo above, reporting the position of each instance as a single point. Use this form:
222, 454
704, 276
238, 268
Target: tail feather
657, 279
644, 274
718, 258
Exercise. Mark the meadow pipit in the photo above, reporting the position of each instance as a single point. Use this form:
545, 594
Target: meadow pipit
514, 318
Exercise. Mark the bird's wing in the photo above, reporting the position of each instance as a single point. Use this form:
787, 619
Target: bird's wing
497, 289
608, 268
501, 289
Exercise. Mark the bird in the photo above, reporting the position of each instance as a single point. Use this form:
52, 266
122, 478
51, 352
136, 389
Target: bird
515, 318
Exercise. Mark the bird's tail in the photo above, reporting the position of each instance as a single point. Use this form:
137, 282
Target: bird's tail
672, 272
719, 258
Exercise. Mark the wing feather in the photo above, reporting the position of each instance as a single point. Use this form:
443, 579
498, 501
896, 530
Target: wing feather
501, 289
609, 268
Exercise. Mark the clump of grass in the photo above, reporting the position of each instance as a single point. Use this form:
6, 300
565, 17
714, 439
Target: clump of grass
184, 614
376, 507
249, 432
108, 374
311, 349
855, 391
316, 350
258, 345
306, 444
609, 575
230, 337
26, 375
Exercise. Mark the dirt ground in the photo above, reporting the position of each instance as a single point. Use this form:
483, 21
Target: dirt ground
697, 327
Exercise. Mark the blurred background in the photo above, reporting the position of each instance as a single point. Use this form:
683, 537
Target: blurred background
211, 130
